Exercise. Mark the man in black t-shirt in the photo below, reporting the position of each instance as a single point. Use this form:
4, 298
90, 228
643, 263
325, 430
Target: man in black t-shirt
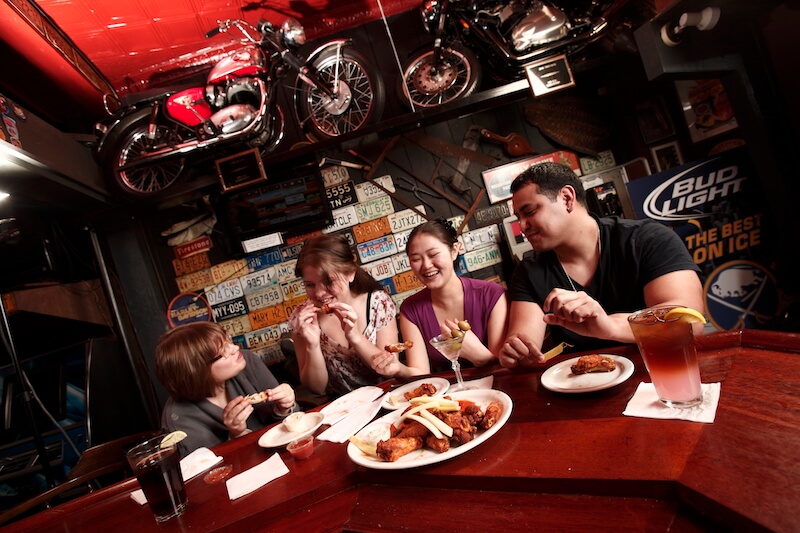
586, 274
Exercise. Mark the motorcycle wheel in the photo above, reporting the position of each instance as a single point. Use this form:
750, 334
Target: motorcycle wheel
459, 76
323, 117
128, 144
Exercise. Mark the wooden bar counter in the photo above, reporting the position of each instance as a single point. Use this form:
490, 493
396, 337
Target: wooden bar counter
562, 462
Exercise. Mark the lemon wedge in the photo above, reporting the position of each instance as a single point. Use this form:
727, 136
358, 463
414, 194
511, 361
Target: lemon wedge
686, 314
172, 439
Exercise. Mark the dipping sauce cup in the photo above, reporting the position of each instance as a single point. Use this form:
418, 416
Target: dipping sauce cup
668, 350
159, 474
302, 448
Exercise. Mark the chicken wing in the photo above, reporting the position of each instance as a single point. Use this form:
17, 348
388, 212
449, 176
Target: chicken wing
394, 448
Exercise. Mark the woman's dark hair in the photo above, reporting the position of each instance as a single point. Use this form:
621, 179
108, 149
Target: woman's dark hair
440, 228
550, 178
331, 253
183, 359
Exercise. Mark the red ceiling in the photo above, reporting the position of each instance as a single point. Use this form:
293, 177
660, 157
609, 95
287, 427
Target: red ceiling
133, 43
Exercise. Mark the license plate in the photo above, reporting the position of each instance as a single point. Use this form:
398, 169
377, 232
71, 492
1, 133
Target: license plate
406, 219
291, 305
293, 289
291, 252
406, 281
229, 269
269, 316
400, 297
222, 292
195, 281
401, 239
264, 259
374, 208
376, 249
266, 297
334, 174
193, 263
371, 230
258, 280
603, 161
262, 337
342, 218
236, 326
285, 271
341, 194
380, 269
369, 191
457, 220
388, 286
482, 258
492, 214
400, 263
229, 309
270, 354
481, 237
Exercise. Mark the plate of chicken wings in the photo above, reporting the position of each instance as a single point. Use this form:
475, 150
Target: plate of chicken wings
398, 441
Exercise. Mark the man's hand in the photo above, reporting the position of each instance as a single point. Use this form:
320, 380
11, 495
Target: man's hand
519, 349
578, 312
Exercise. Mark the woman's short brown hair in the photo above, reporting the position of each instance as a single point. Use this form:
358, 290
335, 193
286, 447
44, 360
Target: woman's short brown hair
183, 359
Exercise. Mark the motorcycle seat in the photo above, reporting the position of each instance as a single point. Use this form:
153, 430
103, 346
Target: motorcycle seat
152, 94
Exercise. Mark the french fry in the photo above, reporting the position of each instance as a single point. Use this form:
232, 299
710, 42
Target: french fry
441, 404
556, 351
364, 446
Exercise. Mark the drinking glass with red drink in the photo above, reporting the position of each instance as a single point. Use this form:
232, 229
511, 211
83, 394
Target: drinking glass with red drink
665, 338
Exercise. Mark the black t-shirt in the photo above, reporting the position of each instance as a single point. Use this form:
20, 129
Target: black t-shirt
633, 253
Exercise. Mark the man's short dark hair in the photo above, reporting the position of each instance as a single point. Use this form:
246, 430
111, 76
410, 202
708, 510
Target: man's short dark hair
550, 178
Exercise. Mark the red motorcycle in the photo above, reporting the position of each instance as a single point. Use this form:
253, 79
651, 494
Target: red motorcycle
147, 143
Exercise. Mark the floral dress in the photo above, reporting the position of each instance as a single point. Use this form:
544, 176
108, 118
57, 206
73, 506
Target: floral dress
346, 370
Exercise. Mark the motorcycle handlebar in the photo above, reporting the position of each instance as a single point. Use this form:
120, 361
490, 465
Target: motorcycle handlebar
211, 33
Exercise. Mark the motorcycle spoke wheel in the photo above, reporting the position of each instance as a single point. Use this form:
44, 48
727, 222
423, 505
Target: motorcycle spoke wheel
147, 180
358, 97
457, 76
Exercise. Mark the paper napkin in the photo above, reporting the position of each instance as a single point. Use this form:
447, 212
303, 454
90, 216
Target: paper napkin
196, 462
256, 477
343, 406
482, 383
353, 423
645, 404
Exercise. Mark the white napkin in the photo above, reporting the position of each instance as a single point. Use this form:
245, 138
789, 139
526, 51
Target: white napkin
481, 383
645, 404
198, 461
353, 423
256, 477
343, 406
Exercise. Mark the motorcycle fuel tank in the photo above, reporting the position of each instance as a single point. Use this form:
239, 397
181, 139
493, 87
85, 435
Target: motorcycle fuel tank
247, 61
189, 107
540, 26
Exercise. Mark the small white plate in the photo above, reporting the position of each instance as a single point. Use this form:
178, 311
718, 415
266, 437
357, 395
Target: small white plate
559, 377
344, 405
280, 436
441, 385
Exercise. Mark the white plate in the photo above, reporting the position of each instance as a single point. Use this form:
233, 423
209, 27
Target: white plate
280, 436
380, 429
559, 377
441, 385
344, 405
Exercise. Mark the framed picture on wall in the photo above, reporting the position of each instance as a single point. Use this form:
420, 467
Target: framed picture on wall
706, 108
666, 156
653, 119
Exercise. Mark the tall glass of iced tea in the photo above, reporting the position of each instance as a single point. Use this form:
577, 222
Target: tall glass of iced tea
668, 349
158, 470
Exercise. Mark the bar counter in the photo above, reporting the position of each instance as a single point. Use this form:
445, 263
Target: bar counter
562, 462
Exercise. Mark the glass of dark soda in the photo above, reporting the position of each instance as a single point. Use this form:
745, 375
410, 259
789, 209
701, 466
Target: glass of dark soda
157, 467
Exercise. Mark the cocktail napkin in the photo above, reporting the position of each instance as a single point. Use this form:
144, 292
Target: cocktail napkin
344, 406
353, 423
256, 477
645, 404
482, 383
196, 462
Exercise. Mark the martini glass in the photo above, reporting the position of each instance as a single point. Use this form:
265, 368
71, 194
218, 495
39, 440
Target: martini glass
450, 347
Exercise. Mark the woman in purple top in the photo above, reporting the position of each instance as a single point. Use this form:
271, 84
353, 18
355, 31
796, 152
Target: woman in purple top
432, 249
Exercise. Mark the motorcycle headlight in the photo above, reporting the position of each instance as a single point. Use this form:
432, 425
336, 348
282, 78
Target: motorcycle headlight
293, 32
429, 9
